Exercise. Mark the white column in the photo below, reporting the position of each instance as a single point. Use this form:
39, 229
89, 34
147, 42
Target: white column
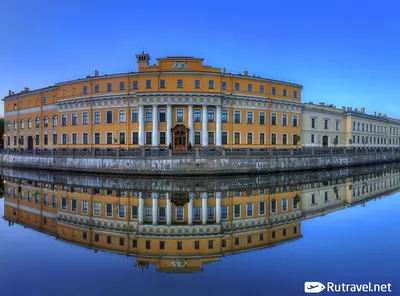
155, 208
141, 125
169, 214
154, 134
218, 208
141, 208
218, 126
204, 207
169, 124
190, 209
204, 131
190, 124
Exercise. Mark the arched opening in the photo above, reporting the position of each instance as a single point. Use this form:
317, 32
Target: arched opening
30, 143
179, 137
325, 141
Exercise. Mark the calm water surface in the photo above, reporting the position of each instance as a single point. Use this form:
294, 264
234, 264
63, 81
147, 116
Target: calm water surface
357, 242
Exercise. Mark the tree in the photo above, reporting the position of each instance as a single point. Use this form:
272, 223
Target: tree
297, 140
170, 146
190, 146
336, 140
350, 141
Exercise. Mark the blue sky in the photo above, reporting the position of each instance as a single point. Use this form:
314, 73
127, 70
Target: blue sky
343, 52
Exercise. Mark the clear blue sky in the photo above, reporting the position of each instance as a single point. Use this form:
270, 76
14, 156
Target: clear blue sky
343, 52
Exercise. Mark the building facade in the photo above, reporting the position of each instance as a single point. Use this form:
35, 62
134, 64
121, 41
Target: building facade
178, 102
327, 126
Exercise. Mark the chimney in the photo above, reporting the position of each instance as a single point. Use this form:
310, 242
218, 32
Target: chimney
363, 110
224, 70
10, 92
246, 73
322, 104
96, 73
375, 113
26, 89
379, 114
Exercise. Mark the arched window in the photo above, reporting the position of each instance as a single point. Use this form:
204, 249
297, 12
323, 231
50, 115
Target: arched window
29, 123
46, 121
37, 122
8, 126
55, 121
15, 125
22, 124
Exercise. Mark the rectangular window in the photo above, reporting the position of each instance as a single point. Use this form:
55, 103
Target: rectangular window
109, 86
249, 87
249, 138
85, 118
180, 83
210, 213
162, 115
210, 244
64, 139
162, 83
211, 138
74, 139
197, 213
237, 211
274, 91
261, 208
54, 139
284, 120
109, 116
237, 241
337, 125
274, 120
179, 213
313, 122
313, 200
237, 116
37, 141
161, 213
224, 212
262, 89
197, 84
162, 245
224, 138
85, 139
162, 138
45, 140
121, 211
135, 84
74, 205
237, 86
326, 123
197, 115
135, 116
284, 92
121, 116
109, 210
148, 83
121, 138
109, 240
223, 86
74, 119
210, 84
96, 208
97, 138
197, 245
148, 138
197, 138
262, 138
96, 88
273, 206
179, 245
211, 115
148, 245
109, 138
262, 117
284, 139
284, 204
97, 117
224, 116
273, 139
179, 115
122, 85
295, 94
249, 117
149, 116
85, 206
85, 90
237, 138
295, 121
135, 211
249, 210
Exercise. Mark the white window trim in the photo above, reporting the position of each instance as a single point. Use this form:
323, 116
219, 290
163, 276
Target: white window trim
259, 139
159, 137
276, 116
194, 111
252, 138
194, 216
105, 210
194, 134
227, 115
259, 208
240, 211
227, 212
287, 119
215, 215
227, 137
112, 137
77, 139
94, 137
240, 117
87, 138
77, 206
293, 117
62, 136
132, 137
259, 118
158, 213
94, 117
208, 133
287, 139
119, 110
176, 114
94, 212
112, 117
124, 217
145, 137
83, 207
119, 137
252, 116
326, 119
276, 137
176, 214
252, 210
87, 117
287, 204
240, 138
276, 208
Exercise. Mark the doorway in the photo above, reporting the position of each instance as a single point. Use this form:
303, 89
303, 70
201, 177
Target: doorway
325, 141
179, 133
30, 143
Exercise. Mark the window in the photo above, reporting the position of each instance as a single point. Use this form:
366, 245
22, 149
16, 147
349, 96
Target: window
237, 138
337, 125
162, 83
135, 84
96, 88
109, 138
179, 245
274, 91
135, 116
313, 122
237, 86
74, 119
121, 211
85, 118
223, 86
284, 139
197, 245
161, 213
295, 94
237, 241
274, 120
313, 201
326, 196
262, 89
162, 115
179, 115
224, 116
97, 117
295, 121
224, 138
284, 204
55, 139
284, 120
46, 140
180, 83
210, 244
162, 138
249, 239
273, 139
37, 123
237, 116
121, 138
179, 213
197, 213
15, 106
224, 212
37, 141
45, 199
22, 123
85, 206
284, 93
121, 116
197, 84
237, 211
249, 87
45, 101
262, 139
197, 115
273, 206
108, 239
249, 119
249, 138
211, 84
109, 116
109, 210
210, 213
211, 115
284, 232
148, 138
249, 210
64, 139
326, 123
97, 138
261, 208
74, 205
197, 138
15, 125
149, 117
109, 86
85, 90
295, 229
262, 117
96, 208
74, 138
211, 138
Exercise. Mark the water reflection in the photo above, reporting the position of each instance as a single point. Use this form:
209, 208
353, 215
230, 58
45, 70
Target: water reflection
182, 224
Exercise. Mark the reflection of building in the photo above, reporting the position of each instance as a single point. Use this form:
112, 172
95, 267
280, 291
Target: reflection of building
322, 124
177, 102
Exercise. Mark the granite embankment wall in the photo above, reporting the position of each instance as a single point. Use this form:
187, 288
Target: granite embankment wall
198, 164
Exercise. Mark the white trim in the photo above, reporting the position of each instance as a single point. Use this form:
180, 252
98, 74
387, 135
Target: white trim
265, 208
259, 118
94, 117
208, 133
240, 211
259, 138
287, 204
227, 116
72, 137
105, 210
82, 201
77, 205
252, 116
287, 139
240, 116
88, 121
94, 138
125, 212
227, 137
94, 212
77, 118
183, 114
131, 142
293, 117
276, 116
287, 119
252, 210
83, 138
234, 138
119, 132
112, 116
247, 138
176, 214
119, 110
112, 137
276, 138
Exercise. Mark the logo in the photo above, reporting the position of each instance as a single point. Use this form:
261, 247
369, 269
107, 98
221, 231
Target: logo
313, 287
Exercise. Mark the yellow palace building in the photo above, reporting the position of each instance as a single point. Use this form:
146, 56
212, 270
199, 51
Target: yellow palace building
179, 101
